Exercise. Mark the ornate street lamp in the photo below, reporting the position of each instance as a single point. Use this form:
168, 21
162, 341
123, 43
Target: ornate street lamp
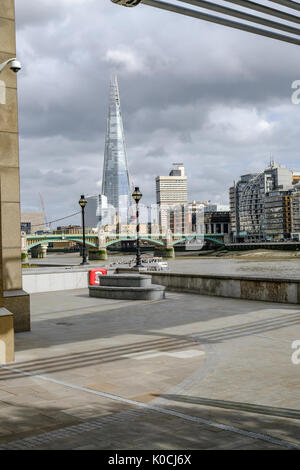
137, 196
83, 202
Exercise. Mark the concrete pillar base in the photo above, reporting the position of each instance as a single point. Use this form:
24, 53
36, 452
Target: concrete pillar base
98, 254
39, 251
167, 252
18, 303
7, 344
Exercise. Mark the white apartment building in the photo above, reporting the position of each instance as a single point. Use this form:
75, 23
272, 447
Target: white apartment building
170, 191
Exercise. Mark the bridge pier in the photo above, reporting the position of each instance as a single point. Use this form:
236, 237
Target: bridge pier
24, 251
165, 252
24, 256
39, 251
95, 254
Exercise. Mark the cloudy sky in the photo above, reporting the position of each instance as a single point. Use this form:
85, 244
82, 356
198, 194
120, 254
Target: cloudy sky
216, 99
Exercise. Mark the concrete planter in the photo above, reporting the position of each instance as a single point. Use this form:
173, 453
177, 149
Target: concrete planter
127, 286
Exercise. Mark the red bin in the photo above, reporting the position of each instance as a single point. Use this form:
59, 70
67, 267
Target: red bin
95, 276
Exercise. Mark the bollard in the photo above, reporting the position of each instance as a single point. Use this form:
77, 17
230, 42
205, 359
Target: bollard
94, 276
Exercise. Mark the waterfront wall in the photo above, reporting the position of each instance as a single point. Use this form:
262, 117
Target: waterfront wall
237, 287
34, 281
271, 290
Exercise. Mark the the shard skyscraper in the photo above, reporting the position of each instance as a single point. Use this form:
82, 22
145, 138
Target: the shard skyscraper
115, 181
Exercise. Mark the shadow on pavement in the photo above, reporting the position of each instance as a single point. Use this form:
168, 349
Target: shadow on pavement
135, 428
231, 405
117, 318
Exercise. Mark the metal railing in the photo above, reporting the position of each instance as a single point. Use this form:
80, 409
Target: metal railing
267, 20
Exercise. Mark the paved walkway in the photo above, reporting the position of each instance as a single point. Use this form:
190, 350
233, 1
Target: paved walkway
188, 372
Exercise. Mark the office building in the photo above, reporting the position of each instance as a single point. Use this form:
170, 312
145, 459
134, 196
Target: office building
106, 213
261, 204
115, 181
32, 222
217, 222
171, 191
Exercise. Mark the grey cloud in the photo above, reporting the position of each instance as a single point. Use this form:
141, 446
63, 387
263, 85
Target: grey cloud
214, 98
38, 14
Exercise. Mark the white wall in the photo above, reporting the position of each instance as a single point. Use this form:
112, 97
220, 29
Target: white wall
53, 281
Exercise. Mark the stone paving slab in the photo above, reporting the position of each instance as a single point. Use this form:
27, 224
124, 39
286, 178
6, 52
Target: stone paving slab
90, 361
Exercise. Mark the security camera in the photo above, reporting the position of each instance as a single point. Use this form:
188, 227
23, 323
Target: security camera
15, 66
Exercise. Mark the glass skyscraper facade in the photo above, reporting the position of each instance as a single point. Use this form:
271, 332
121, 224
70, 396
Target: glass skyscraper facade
115, 181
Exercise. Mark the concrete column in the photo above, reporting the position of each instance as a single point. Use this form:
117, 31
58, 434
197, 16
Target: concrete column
39, 251
12, 296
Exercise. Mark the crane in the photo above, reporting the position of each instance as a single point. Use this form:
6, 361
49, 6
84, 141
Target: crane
44, 211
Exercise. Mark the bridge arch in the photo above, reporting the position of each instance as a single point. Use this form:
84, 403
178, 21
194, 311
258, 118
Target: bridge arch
219, 242
187, 238
117, 240
41, 242
79, 240
205, 238
179, 241
155, 242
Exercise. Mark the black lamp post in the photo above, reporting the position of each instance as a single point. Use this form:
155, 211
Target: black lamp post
137, 196
83, 202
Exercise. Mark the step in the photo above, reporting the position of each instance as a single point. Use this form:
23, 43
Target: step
134, 270
154, 292
126, 280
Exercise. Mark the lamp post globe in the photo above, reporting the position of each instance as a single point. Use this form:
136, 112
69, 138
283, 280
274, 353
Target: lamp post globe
83, 202
137, 196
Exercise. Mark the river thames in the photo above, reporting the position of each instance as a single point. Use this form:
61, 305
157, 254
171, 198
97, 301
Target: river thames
270, 264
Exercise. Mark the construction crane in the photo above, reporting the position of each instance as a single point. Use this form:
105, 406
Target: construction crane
44, 212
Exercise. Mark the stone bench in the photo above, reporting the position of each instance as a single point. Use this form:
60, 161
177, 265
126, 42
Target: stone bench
126, 280
7, 341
